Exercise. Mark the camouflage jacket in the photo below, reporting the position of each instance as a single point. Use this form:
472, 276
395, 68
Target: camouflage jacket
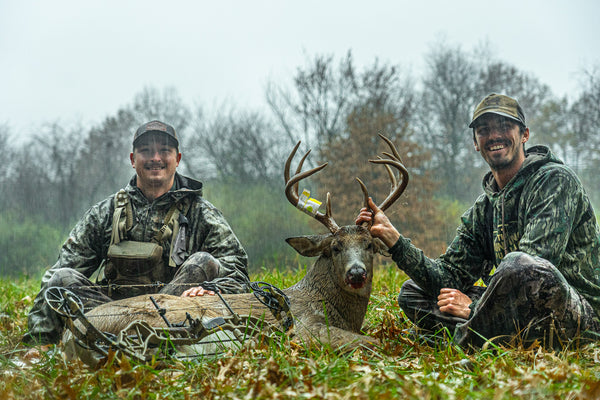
208, 231
543, 211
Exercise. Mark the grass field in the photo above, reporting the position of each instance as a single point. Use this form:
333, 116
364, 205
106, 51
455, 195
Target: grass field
400, 368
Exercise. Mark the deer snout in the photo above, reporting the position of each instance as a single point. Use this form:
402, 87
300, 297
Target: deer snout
356, 276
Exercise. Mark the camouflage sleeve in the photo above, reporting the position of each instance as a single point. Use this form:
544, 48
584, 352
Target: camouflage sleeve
459, 267
216, 237
554, 202
87, 243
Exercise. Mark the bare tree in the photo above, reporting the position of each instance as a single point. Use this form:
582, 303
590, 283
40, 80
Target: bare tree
165, 105
235, 145
59, 148
584, 124
448, 98
104, 160
550, 127
315, 109
43, 181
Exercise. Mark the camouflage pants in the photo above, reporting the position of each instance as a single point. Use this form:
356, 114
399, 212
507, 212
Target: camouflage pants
46, 326
527, 299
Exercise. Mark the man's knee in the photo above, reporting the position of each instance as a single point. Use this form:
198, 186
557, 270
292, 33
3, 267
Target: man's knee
202, 265
519, 267
530, 278
65, 277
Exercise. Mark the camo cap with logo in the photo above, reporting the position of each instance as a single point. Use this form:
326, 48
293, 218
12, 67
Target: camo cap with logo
501, 105
158, 127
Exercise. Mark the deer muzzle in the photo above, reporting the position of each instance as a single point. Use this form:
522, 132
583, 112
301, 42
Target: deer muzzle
356, 276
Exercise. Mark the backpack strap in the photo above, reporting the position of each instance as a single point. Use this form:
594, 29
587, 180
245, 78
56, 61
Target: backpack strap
171, 228
122, 217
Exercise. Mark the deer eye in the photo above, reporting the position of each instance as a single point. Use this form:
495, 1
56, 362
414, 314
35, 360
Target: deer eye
369, 246
336, 247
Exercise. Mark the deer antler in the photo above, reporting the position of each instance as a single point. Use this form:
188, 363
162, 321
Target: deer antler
397, 188
291, 189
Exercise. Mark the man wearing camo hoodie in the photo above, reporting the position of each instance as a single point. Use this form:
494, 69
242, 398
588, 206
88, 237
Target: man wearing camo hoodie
157, 235
531, 240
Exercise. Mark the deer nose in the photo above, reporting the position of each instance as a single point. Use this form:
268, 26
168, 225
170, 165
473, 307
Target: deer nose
357, 274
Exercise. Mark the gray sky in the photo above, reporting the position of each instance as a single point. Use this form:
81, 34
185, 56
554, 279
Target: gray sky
79, 60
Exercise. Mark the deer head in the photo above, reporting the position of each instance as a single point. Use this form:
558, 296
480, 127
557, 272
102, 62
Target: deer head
348, 250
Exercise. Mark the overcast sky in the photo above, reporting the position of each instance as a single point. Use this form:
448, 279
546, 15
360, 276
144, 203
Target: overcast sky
79, 60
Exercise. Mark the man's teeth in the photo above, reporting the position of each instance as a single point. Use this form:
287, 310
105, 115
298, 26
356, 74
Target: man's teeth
497, 147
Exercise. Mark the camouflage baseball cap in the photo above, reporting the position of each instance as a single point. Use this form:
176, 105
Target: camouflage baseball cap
158, 127
501, 105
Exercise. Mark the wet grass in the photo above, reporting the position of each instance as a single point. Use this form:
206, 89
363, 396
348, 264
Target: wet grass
402, 367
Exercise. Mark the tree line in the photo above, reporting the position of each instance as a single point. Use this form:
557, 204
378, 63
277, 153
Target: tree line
337, 110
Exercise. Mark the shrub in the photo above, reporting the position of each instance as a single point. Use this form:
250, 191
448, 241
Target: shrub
27, 246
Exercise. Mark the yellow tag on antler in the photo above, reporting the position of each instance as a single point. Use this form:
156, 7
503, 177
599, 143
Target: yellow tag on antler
308, 204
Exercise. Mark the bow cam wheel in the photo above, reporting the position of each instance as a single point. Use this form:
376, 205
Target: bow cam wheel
63, 301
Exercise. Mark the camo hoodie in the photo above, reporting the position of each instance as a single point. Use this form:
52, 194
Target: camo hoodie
208, 231
543, 211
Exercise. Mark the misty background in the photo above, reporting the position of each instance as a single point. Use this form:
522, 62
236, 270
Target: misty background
242, 83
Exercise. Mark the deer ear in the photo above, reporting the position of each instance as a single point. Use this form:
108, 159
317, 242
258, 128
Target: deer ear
310, 245
381, 247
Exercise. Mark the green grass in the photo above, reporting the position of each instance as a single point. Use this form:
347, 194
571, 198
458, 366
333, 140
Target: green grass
401, 368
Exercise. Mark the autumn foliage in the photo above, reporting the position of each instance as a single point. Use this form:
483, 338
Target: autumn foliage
416, 212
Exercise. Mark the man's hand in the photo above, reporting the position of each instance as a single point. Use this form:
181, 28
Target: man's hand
197, 291
379, 224
454, 302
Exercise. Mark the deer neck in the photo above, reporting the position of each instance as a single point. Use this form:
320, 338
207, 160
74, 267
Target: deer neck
351, 307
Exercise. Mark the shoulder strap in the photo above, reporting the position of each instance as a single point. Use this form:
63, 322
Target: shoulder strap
122, 217
170, 228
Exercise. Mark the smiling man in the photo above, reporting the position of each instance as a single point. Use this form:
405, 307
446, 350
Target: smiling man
156, 235
525, 263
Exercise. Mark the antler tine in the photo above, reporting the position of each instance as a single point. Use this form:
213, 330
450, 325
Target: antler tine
288, 162
392, 147
326, 219
366, 198
291, 188
299, 168
393, 180
396, 188
365, 193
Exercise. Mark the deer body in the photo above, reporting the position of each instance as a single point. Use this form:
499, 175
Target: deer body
328, 304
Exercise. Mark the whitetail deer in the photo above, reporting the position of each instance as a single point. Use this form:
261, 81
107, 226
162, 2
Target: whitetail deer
328, 304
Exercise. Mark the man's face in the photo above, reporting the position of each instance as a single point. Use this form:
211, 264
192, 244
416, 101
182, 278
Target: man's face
500, 141
155, 162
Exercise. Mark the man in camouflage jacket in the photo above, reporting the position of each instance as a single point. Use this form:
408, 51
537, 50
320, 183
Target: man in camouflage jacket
213, 259
531, 243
